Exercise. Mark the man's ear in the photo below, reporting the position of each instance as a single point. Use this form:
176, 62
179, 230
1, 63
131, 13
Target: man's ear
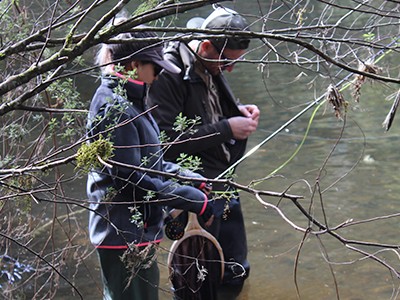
205, 46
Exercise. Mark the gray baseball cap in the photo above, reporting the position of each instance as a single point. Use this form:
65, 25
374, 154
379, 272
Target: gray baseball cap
224, 19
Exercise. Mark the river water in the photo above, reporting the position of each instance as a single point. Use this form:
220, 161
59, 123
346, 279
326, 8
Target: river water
357, 178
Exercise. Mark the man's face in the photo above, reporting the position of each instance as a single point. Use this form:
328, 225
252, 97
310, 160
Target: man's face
221, 60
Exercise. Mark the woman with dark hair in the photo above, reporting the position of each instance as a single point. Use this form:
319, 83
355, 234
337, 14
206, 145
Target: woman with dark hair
126, 215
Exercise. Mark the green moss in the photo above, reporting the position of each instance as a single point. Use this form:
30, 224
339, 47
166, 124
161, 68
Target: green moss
88, 154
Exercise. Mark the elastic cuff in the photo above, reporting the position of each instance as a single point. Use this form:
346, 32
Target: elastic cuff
203, 209
202, 185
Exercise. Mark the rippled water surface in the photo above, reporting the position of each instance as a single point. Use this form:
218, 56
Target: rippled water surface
357, 179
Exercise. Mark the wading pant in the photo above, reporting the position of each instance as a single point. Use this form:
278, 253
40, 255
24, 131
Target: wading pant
228, 228
143, 286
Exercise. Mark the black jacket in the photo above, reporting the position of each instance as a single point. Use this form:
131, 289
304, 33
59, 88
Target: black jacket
127, 204
187, 93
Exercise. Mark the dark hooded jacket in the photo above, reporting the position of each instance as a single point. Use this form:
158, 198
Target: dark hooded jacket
126, 204
189, 100
187, 94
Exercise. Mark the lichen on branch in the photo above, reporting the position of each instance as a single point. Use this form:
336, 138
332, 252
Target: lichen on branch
90, 155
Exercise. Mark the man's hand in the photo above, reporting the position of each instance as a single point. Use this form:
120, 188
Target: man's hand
250, 111
242, 127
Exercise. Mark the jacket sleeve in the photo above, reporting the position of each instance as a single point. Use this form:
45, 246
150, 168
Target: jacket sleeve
170, 167
169, 94
127, 181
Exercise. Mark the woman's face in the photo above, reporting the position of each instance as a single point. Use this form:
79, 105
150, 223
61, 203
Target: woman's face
147, 71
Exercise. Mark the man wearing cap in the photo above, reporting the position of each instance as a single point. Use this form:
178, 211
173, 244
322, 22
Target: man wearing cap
201, 90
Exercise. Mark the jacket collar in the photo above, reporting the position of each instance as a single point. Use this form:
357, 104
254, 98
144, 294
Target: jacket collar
189, 62
135, 89
180, 49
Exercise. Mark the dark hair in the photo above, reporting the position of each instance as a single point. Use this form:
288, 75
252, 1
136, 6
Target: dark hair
125, 52
128, 50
